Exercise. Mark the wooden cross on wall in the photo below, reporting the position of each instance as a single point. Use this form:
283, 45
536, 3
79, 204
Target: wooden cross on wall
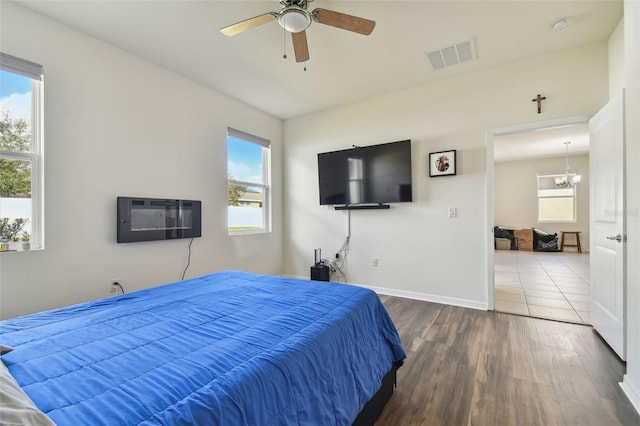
539, 100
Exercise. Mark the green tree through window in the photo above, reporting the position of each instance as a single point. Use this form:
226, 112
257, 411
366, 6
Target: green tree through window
15, 175
236, 192
21, 147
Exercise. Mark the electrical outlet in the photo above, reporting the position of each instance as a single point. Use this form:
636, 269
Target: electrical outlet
375, 261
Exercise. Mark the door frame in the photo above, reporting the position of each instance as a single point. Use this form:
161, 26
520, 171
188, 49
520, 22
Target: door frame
490, 185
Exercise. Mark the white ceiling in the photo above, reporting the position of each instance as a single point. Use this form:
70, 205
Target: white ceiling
184, 36
542, 143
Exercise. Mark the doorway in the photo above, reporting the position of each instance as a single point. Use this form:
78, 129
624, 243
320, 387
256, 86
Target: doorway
543, 284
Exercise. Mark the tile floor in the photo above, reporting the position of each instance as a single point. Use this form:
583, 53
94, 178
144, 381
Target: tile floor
544, 285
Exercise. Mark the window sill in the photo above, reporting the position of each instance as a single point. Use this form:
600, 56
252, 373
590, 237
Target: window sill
557, 221
249, 232
20, 249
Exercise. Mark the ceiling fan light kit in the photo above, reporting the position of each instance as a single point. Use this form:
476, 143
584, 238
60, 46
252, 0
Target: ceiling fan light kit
295, 18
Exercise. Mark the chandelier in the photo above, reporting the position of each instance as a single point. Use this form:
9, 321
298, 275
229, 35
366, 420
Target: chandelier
570, 178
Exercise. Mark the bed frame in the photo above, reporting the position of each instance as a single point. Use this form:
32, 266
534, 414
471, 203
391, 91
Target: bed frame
372, 409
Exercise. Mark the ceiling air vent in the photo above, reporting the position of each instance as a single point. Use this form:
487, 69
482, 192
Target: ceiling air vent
451, 55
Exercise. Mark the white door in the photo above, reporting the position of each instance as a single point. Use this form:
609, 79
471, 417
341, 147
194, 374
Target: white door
607, 227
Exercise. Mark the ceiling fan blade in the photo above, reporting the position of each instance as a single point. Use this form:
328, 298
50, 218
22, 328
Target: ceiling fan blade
300, 46
344, 21
247, 24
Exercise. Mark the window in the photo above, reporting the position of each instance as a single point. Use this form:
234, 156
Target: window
21, 164
248, 165
555, 204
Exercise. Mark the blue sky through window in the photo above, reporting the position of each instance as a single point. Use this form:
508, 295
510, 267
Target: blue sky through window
15, 95
244, 160
13, 83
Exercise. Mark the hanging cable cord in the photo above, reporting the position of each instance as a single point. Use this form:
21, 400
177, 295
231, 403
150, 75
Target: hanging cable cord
188, 261
117, 284
335, 265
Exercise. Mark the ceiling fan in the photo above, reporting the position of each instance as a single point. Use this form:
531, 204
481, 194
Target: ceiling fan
295, 18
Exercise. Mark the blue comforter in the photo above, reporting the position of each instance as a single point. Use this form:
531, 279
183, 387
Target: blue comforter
230, 348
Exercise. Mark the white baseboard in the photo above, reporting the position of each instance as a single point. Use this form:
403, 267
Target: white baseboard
632, 391
425, 297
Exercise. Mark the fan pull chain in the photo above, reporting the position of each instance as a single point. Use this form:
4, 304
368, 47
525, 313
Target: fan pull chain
305, 65
284, 43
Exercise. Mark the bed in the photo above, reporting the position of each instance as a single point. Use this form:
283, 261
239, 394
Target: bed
229, 348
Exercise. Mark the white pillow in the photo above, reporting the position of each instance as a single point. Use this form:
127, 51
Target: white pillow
16, 408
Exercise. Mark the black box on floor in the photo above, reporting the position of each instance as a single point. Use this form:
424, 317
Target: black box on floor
320, 273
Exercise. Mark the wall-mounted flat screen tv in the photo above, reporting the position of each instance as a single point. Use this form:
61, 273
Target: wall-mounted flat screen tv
375, 174
148, 219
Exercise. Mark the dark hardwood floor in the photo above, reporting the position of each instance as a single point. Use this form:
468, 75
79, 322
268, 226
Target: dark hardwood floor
470, 367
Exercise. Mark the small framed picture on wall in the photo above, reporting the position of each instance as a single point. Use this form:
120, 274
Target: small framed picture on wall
442, 163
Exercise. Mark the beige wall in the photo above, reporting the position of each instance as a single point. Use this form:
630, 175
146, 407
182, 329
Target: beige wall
422, 253
118, 125
616, 60
516, 202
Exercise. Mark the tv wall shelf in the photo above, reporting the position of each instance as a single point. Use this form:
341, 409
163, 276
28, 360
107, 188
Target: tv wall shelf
364, 207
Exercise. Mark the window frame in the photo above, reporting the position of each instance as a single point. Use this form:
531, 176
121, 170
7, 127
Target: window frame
265, 186
550, 177
35, 72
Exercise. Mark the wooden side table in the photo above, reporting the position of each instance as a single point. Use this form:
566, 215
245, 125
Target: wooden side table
577, 245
